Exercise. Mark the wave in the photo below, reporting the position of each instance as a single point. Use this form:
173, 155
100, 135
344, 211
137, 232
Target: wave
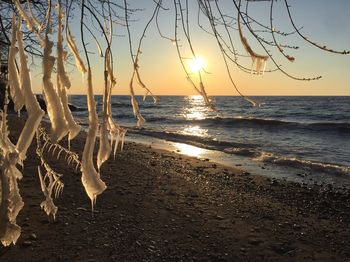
339, 126
257, 122
309, 165
204, 142
274, 122
247, 150
121, 104
128, 105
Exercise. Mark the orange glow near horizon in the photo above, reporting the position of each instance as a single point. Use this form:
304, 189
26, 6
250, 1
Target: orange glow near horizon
161, 70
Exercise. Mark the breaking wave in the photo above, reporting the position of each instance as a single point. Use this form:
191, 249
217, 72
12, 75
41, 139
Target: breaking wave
248, 150
266, 123
304, 164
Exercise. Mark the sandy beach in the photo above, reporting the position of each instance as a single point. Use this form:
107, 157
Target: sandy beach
162, 206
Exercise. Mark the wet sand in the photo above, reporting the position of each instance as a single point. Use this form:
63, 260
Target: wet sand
162, 206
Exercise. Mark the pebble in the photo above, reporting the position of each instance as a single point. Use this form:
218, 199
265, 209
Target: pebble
219, 217
27, 243
32, 236
255, 241
274, 183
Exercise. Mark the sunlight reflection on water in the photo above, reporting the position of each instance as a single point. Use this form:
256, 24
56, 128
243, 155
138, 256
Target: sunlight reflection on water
194, 109
189, 150
194, 131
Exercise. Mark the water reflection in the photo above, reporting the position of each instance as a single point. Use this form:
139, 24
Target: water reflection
194, 109
194, 131
189, 150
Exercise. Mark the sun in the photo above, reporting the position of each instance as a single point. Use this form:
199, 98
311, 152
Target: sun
196, 64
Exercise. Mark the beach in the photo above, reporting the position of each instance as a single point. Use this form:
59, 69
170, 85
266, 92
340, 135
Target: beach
163, 206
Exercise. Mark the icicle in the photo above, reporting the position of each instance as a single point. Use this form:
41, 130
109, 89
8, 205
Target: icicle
258, 60
15, 90
115, 129
63, 81
137, 114
108, 123
24, 16
99, 47
73, 127
110, 71
11, 202
59, 126
122, 140
54, 186
105, 146
205, 96
35, 113
36, 22
28, 20
135, 105
70, 41
110, 31
90, 177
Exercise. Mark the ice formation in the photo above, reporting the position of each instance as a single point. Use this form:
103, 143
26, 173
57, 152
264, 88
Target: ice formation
258, 60
135, 108
105, 146
24, 16
35, 21
11, 201
59, 126
35, 113
116, 132
205, 96
13, 79
105, 149
71, 43
50, 183
90, 177
29, 22
63, 81
61, 54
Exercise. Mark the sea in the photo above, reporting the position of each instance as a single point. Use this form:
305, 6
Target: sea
304, 139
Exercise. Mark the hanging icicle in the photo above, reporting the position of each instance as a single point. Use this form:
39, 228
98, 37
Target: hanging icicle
91, 180
105, 146
50, 184
59, 126
10, 200
29, 22
35, 21
72, 46
35, 114
258, 60
14, 83
63, 81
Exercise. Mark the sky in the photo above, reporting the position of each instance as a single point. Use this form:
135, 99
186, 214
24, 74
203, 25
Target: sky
323, 21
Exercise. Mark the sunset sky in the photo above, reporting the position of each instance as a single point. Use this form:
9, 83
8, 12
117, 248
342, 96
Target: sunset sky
323, 21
